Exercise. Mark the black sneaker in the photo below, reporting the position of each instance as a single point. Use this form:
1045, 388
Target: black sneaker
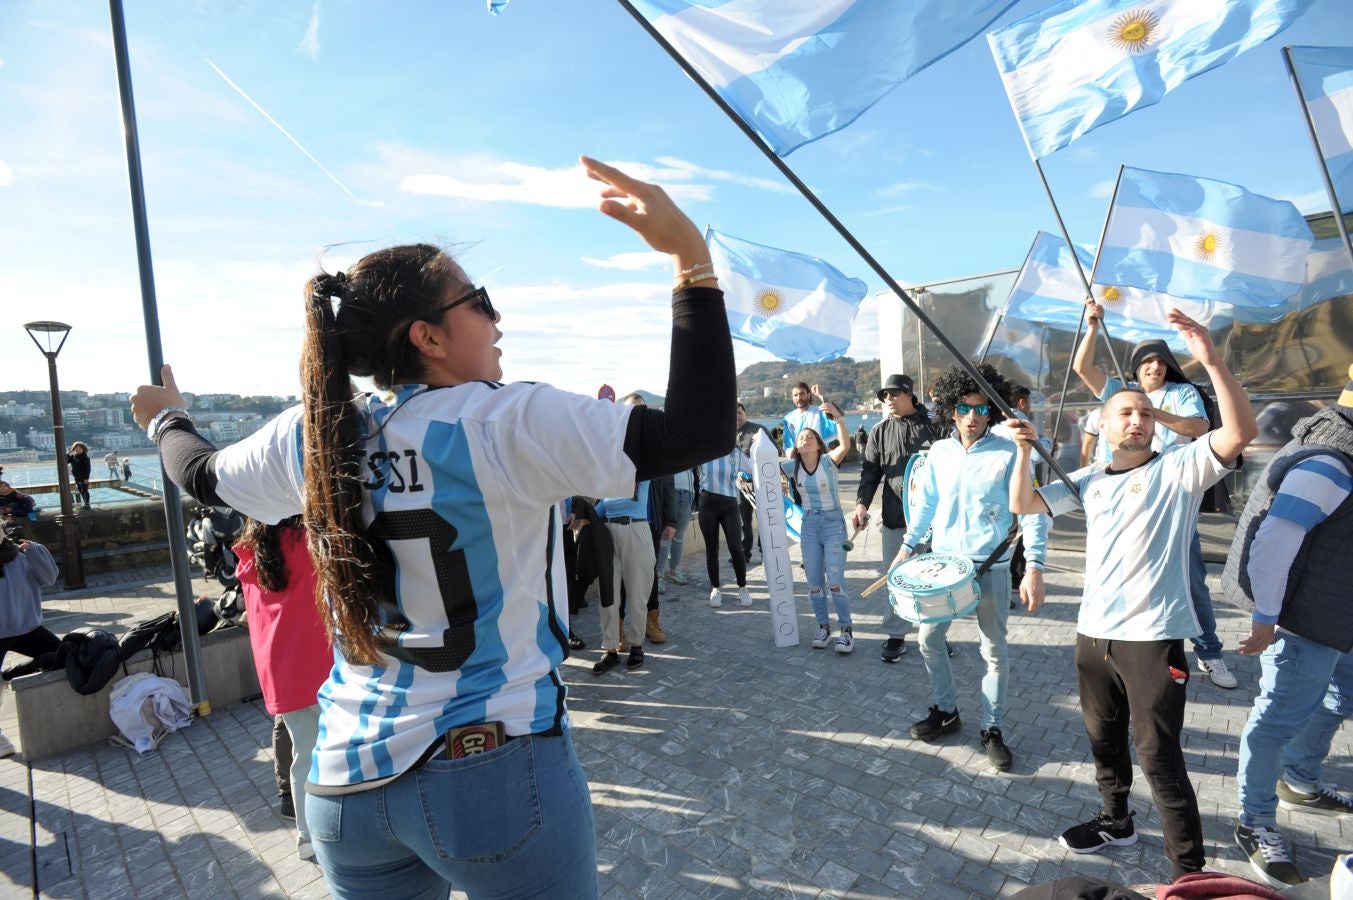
1100, 832
636, 658
893, 649
575, 642
286, 808
1326, 801
936, 723
607, 663
998, 754
1269, 855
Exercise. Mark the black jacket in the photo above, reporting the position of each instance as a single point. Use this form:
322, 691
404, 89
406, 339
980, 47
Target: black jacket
891, 443
79, 465
662, 510
596, 552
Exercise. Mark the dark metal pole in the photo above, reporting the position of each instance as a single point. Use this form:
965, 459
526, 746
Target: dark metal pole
991, 393
173, 510
1335, 206
72, 562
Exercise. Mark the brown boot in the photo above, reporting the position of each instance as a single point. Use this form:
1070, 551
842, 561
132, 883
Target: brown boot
654, 628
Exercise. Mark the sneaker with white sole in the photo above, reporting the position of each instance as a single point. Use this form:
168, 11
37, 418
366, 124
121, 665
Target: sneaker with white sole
304, 849
1100, 832
662, 585
744, 597
1270, 856
676, 576
1326, 800
822, 638
845, 641
1219, 672
715, 598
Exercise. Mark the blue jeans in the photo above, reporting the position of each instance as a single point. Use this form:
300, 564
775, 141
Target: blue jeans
513, 822
824, 563
1206, 645
992, 614
671, 552
1305, 693
893, 625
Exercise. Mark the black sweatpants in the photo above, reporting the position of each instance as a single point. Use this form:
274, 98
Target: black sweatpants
745, 510
282, 753
1139, 682
720, 512
36, 644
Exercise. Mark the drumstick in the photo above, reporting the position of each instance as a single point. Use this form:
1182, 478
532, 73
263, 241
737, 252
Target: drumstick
874, 587
849, 545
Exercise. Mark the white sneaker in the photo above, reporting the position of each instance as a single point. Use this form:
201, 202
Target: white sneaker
304, 849
715, 598
1218, 671
662, 585
6, 748
744, 597
845, 641
822, 638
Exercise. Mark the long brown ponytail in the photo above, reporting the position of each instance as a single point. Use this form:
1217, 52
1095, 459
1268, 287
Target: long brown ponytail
378, 299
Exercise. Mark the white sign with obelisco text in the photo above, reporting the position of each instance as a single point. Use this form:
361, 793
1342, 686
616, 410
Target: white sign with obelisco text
770, 521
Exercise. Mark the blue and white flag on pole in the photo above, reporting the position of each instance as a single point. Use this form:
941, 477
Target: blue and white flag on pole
1326, 78
798, 70
1202, 239
1078, 64
1049, 292
797, 307
1329, 274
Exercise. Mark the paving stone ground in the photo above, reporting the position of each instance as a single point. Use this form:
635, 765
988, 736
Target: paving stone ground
724, 768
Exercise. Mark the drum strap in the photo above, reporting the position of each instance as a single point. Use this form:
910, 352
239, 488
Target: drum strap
1000, 548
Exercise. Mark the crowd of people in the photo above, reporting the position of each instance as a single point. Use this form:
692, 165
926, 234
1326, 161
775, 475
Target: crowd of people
439, 533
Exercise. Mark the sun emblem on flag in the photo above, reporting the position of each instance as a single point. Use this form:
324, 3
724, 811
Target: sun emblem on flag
1111, 297
1134, 31
769, 302
1206, 244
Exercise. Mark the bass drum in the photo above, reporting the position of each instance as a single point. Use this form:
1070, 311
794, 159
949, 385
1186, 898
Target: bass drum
933, 587
911, 488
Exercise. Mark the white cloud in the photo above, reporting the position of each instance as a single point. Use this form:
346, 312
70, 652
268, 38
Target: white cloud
765, 184
907, 187
492, 180
1309, 202
6, 174
1103, 190
887, 210
309, 45
630, 262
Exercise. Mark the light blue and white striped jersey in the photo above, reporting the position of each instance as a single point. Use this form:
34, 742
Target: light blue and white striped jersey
719, 476
683, 481
459, 504
1175, 397
817, 490
1139, 525
813, 417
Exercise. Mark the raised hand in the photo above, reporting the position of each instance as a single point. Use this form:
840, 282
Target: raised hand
648, 210
1198, 338
149, 399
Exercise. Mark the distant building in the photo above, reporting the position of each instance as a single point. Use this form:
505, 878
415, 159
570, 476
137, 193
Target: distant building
224, 431
768, 392
120, 440
12, 410
41, 440
8, 440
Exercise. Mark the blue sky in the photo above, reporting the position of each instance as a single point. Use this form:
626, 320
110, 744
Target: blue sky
436, 121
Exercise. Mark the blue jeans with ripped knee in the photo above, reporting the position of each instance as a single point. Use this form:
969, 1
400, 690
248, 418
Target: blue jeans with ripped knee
822, 537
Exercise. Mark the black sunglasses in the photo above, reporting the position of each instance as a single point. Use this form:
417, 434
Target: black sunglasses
480, 298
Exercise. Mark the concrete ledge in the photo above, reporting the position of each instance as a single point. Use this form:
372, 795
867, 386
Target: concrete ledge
53, 718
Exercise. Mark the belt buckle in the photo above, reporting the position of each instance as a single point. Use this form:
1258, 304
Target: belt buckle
471, 740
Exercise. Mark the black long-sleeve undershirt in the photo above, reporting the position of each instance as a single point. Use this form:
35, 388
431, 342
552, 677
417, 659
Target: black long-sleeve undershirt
698, 424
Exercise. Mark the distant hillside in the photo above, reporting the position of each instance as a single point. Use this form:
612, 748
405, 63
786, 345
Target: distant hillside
846, 382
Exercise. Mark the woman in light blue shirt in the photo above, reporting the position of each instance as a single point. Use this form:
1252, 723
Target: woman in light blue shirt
813, 484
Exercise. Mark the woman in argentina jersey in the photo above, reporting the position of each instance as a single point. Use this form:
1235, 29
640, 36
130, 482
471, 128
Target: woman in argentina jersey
431, 511
813, 478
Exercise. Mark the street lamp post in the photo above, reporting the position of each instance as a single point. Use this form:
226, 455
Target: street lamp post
73, 566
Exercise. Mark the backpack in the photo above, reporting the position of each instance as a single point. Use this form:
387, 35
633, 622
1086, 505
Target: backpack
159, 635
90, 657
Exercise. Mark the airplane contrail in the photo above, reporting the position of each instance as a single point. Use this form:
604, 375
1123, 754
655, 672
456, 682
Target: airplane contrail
278, 125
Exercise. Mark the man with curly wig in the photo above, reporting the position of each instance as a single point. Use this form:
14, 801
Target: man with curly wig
965, 499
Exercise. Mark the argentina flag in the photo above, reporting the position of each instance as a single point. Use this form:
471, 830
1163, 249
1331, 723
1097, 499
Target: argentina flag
797, 307
798, 70
1049, 292
1326, 78
1329, 275
1202, 239
1078, 64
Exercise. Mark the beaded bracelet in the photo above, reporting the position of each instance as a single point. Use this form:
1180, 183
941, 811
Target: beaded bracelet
693, 280
153, 429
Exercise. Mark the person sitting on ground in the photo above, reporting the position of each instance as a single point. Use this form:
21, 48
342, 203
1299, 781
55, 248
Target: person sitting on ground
1179, 417
965, 502
1290, 564
813, 485
291, 650
25, 569
1137, 609
15, 504
444, 759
